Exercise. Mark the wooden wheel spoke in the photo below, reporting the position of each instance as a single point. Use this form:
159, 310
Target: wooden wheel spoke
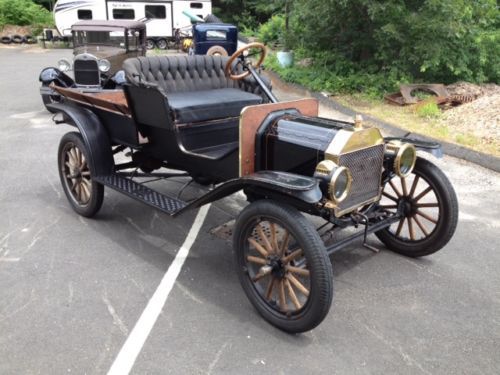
422, 228
411, 229
427, 205
296, 283
414, 186
274, 239
297, 270
258, 247
284, 244
403, 185
396, 190
295, 254
263, 272
85, 192
387, 195
269, 290
264, 238
85, 173
282, 297
423, 194
400, 226
425, 216
292, 295
256, 260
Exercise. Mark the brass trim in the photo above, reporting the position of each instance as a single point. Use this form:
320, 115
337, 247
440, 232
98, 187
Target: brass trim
399, 148
346, 141
333, 182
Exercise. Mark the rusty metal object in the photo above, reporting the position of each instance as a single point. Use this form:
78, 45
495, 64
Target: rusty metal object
252, 117
405, 97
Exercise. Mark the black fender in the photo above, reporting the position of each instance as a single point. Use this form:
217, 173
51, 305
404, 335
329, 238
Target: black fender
49, 75
433, 148
94, 135
288, 186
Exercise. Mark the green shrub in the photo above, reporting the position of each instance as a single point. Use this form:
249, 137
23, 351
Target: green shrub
428, 110
23, 13
270, 32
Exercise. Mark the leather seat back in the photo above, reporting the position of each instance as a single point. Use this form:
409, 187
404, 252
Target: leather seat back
180, 73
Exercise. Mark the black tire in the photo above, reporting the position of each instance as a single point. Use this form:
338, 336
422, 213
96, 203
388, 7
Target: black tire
49, 99
18, 39
162, 43
212, 19
29, 39
315, 305
217, 51
443, 219
84, 194
150, 44
6, 39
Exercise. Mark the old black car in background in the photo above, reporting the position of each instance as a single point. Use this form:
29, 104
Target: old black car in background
215, 120
99, 49
215, 39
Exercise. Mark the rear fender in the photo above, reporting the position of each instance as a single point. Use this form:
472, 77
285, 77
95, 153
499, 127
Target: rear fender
286, 185
94, 135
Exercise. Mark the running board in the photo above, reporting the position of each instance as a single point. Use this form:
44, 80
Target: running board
142, 193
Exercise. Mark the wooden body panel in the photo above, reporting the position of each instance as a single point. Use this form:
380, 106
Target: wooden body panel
250, 120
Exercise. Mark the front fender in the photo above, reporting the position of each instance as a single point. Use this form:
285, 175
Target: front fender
94, 135
432, 148
287, 185
49, 75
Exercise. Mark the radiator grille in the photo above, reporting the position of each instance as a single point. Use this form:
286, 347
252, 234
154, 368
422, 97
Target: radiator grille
87, 73
366, 169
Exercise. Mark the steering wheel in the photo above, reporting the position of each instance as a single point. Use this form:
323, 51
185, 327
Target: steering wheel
238, 53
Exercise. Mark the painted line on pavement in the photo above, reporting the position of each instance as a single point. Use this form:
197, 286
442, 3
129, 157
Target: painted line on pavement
135, 341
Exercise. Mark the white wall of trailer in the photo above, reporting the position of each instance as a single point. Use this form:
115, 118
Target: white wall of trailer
161, 16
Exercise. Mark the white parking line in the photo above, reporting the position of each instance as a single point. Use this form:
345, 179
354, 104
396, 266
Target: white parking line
135, 341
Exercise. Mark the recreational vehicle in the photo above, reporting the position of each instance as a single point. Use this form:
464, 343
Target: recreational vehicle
161, 17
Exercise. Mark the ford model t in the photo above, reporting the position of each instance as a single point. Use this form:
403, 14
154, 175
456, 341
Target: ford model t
99, 49
216, 120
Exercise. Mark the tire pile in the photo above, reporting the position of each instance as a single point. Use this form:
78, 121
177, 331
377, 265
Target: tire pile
17, 39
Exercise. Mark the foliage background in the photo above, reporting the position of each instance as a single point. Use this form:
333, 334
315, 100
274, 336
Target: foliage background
374, 45
23, 13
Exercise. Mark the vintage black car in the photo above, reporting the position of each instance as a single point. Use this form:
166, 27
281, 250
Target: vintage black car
216, 120
99, 49
215, 39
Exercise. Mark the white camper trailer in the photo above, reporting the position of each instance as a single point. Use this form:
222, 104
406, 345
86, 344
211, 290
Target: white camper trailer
161, 17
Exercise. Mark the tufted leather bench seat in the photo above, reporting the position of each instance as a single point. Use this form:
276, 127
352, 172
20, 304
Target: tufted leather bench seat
196, 87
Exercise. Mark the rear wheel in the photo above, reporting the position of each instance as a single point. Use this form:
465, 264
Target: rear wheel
283, 266
217, 51
84, 194
162, 43
150, 44
430, 211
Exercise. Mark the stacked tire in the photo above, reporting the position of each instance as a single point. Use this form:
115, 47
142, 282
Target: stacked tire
17, 39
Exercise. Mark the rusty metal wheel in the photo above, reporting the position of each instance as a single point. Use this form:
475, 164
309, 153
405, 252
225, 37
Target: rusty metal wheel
283, 266
84, 194
430, 211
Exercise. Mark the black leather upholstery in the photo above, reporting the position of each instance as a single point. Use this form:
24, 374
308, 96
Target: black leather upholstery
196, 87
209, 104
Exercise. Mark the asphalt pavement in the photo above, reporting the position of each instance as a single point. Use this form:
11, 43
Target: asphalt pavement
72, 289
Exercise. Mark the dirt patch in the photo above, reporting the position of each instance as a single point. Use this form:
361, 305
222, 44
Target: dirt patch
16, 30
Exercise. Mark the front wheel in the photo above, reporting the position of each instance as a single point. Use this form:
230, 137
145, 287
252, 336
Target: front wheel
49, 99
84, 194
283, 266
430, 211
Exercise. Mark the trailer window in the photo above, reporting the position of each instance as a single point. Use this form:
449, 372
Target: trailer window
155, 11
123, 14
196, 5
84, 14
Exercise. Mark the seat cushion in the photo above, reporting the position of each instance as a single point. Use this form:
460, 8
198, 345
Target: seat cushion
204, 105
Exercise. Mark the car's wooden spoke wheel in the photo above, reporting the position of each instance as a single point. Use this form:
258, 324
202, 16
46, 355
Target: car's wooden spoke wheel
84, 194
429, 210
277, 267
77, 174
283, 266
